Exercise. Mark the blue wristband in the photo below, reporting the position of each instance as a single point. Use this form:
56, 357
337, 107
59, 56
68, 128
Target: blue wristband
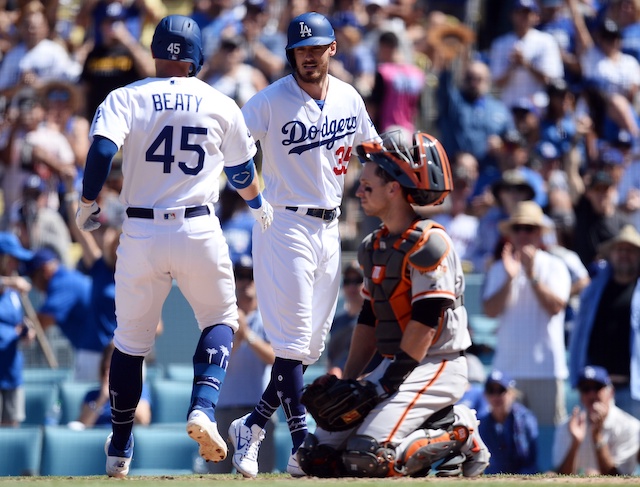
256, 202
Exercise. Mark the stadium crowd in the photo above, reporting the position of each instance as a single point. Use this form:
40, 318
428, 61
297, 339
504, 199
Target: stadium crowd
535, 101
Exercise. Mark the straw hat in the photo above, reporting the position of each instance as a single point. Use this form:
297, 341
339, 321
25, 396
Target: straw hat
628, 234
525, 213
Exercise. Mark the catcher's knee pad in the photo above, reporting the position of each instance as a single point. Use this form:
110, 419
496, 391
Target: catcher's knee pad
422, 448
365, 457
319, 460
440, 420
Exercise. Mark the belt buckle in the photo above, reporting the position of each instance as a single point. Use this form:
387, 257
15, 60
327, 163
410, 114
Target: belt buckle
328, 215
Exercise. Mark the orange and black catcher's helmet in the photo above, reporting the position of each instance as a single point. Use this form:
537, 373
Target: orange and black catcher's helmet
420, 166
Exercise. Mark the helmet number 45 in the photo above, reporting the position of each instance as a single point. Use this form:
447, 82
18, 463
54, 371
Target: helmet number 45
174, 48
344, 155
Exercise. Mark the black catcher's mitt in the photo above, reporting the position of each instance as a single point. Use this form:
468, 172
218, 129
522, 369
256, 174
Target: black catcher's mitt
338, 404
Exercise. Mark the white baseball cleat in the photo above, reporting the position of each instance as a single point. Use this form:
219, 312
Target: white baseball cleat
200, 428
293, 467
118, 462
246, 443
476, 452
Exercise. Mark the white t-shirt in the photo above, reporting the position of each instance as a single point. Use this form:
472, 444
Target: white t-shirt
530, 342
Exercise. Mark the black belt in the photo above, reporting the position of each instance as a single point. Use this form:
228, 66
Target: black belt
147, 213
326, 215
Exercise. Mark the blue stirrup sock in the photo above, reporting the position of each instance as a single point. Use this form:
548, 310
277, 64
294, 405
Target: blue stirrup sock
210, 362
125, 388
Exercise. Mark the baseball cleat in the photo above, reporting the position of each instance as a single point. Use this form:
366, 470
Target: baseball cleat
476, 452
201, 429
118, 461
246, 443
293, 467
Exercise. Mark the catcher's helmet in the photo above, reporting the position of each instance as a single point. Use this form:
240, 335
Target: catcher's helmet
308, 29
177, 38
422, 168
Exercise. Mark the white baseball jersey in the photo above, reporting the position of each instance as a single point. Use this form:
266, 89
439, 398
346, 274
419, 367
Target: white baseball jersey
177, 135
177, 128
306, 150
306, 153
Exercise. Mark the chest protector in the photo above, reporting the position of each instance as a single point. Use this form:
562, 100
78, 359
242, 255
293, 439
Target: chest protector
385, 264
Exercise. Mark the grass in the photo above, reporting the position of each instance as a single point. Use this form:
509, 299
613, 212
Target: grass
283, 480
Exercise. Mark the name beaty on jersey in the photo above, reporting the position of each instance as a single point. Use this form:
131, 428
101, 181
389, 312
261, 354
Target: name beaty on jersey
176, 101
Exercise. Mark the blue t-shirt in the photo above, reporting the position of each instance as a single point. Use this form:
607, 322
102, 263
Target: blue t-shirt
11, 359
103, 297
68, 301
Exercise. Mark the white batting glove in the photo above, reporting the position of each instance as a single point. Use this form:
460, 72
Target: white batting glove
87, 216
263, 215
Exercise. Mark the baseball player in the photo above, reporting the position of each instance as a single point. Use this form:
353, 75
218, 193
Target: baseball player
414, 316
178, 134
307, 124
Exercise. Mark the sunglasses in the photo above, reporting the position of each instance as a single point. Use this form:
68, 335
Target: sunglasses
356, 281
247, 276
587, 388
523, 228
495, 391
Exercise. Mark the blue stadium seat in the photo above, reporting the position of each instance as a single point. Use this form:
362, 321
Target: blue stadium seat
170, 401
71, 452
41, 374
20, 450
39, 401
163, 450
182, 372
473, 293
71, 398
545, 446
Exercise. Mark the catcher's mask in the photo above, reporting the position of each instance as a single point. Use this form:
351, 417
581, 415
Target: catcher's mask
421, 168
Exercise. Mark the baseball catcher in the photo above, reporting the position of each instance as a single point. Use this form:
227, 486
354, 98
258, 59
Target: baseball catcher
402, 419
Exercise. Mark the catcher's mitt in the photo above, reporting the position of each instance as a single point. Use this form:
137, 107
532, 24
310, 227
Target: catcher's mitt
338, 404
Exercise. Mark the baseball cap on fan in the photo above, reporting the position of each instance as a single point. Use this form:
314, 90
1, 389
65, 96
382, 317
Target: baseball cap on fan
526, 5
40, 258
10, 245
115, 11
594, 373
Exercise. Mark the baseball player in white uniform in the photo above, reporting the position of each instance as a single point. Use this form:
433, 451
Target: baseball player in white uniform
307, 124
178, 134
415, 317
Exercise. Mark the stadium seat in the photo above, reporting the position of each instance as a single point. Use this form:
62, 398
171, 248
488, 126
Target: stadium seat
49, 376
163, 450
20, 450
39, 402
71, 452
170, 401
545, 446
473, 293
71, 397
182, 372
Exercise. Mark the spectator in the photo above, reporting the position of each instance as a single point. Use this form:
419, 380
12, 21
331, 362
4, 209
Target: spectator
35, 59
597, 218
470, 118
397, 91
228, 72
527, 290
601, 439
116, 61
236, 221
67, 304
606, 331
249, 368
509, 429
626, 13
96, 408
13, 329
37, 224
526, 118
474, 397
525, 59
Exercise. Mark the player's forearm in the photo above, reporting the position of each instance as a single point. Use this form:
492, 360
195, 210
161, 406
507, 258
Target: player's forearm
417, 339
361, 351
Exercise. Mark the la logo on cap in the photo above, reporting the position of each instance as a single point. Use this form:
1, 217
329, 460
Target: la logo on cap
305, 30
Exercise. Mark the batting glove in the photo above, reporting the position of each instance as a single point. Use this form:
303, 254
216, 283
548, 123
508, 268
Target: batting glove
263, 214
87, 216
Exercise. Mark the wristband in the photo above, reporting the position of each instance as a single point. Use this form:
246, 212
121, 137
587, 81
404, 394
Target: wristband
256, 202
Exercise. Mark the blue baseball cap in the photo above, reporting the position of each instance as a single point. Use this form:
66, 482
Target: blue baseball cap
500, 378
547, 150
594, 373
10, 245
526, 5
40, 258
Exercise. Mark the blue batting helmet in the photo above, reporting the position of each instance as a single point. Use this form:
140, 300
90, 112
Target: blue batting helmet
177, 38
308, 29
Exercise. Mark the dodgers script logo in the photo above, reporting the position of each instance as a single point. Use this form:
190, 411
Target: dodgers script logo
305, 30
330, 132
